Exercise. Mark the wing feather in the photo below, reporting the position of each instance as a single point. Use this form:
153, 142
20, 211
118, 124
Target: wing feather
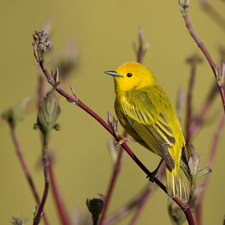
152, 128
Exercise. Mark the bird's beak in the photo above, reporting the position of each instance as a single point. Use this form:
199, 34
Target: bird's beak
113, 73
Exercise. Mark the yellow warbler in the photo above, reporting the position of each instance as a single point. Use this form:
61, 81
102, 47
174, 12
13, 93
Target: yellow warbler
145, 112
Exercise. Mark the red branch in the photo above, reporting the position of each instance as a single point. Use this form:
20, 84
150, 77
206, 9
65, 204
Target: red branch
26, 171
213, 14
200, 118
145, 196
57, 197
211, 157
204, 50
189, 107
77, 102
139, 201
37, 218
112, 184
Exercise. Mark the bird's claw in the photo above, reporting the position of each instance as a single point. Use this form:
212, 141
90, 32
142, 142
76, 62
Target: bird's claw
123, 140
152, 175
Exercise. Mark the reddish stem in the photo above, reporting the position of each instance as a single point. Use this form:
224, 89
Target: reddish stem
214, 15
112, 184
77, 102
123, 211
37, 218
211, 157
205, 52
146, 196
141, 50
140, 53
200, 118
57, 197
189, 107
192, 192
26, 171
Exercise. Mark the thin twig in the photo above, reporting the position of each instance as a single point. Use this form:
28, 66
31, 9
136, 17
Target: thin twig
200, 118
57, 197
192, 192
146, 195
181, 100
184, 9
213, 14
112, 184
124, 210
37, 218
193, 61
189, 106
140, 50
211, 157
139, 201
26, 171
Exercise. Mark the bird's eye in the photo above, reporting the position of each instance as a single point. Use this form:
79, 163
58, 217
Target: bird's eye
129, 74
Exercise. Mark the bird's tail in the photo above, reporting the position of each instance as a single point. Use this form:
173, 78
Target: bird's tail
175, 184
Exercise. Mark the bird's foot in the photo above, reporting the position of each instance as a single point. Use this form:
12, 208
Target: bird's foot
153, 174
123, 140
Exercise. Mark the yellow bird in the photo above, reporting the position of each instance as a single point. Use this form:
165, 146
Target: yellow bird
145, 112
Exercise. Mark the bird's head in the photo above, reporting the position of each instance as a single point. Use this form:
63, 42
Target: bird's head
132, 75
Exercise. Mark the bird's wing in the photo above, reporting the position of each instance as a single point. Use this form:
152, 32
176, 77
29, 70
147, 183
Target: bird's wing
149, 123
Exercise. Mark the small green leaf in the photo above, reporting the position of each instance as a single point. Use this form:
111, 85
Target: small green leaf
202, 172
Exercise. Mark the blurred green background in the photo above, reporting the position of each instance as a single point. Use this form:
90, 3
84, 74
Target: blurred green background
104, 32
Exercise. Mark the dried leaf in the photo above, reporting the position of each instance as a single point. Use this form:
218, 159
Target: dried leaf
18, 220
194, 162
